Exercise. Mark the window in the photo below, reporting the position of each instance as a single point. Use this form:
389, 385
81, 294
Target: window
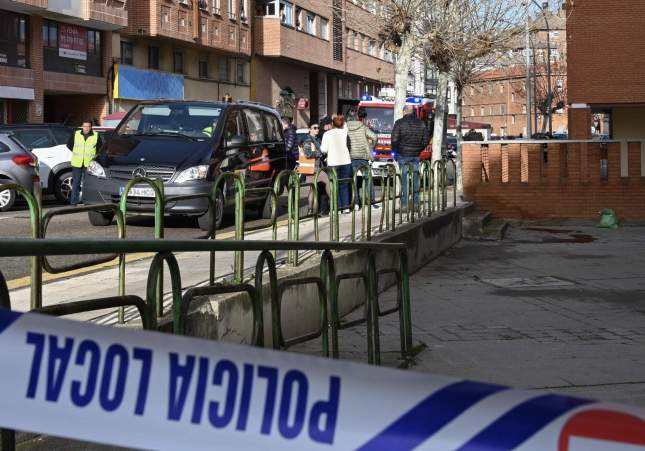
490, 110
270, 8
203, 67
298, 19
513, 97
273, 127
472, 91
224, 69
286, 13
501, 88
50, 34
234, 125
350, 38
34, 138
126, 52
241, 72
472, 111
153, 57
243, 10
62, 134
231, 9
490, 89
216, 7
559, 85
502, 109
357, 39
93, 42
524, 109
182, 20
255, 125
513, 120
555, 54
215, 36
481, 111
310, 24
324, 28
165, 16
370, 47
203, 25
178, 61
555, 34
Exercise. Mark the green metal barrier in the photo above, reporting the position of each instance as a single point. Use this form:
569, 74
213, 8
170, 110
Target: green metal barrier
153, 297
454, 183
427, 184
441, 183
238, 181
334, 222
157, 187
265, 258
410, 208
120, 226
292, 204
365, 171
36, 263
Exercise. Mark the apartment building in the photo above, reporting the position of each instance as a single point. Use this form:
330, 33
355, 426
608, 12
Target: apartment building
326, 52
498, 95
183, 49
606, 70
55, 57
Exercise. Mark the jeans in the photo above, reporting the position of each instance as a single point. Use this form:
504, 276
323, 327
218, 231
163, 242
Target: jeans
323, 188
343, 172
362, 181
77, 179
415, 179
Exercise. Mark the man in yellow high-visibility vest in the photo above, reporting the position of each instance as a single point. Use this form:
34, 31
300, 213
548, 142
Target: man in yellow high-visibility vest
83, 144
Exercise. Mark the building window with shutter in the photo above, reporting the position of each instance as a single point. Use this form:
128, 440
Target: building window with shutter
153, 57
178, 61
324, 29
203, 67
126, 52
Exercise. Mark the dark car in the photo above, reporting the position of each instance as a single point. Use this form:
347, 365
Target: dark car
48, 142
16, 166
188, 145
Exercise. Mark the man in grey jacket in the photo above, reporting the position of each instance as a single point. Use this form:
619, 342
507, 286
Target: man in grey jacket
361, 142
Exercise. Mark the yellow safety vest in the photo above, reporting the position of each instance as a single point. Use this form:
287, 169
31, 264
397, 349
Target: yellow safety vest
84, 150
208, 131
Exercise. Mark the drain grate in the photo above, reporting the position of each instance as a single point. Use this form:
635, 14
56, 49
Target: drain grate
530, 282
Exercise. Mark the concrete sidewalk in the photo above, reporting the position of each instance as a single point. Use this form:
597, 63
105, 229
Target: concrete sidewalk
557, 308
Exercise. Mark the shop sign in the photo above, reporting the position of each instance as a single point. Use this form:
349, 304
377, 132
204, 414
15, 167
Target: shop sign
72, 41
81, 69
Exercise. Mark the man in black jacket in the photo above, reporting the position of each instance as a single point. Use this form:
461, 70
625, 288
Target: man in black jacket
409, 137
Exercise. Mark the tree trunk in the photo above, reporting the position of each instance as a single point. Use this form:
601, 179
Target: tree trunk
439, 115
459, 181
401, 70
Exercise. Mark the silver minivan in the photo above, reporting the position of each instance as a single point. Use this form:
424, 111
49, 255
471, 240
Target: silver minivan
17, 165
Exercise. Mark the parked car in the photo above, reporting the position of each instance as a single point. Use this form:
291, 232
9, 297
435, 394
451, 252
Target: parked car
188, 145
17, 165
48, 142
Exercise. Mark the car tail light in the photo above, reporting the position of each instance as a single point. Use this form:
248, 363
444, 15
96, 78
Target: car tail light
23, 160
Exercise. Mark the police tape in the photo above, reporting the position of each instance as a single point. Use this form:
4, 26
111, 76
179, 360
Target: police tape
156, 391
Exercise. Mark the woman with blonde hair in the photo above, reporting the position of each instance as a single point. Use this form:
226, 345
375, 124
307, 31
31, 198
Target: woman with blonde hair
334, 144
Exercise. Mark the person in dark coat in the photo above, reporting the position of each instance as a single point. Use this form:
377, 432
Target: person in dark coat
409, 137
290, 141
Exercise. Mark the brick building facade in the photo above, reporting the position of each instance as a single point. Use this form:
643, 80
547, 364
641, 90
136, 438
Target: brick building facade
328, 54
606, 70
55, 57
498, 95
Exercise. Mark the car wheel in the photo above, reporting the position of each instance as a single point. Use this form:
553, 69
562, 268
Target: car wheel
204, 220
100, 218
7, 199
63, 186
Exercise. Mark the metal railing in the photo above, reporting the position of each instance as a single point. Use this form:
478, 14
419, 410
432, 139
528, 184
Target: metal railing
327, 284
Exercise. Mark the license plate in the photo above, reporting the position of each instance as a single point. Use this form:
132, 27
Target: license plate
138, 191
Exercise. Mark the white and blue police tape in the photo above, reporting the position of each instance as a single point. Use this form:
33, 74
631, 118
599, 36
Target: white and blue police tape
157, 391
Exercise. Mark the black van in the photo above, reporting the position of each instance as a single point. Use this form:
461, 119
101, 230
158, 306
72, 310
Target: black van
187, 144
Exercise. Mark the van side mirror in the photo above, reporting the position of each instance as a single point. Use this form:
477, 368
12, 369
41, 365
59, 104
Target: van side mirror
237, 141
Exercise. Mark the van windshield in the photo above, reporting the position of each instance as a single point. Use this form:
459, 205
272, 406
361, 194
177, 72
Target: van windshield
379, 119
190, 121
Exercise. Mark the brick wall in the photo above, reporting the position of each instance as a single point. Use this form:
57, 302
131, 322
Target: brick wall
606, 47
513, 180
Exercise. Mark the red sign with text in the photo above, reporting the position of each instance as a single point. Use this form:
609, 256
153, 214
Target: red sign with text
72, 41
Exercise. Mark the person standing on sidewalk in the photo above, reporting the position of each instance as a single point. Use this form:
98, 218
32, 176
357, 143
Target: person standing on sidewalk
409, 137
334, 144
83, 144
311, 160
361, 142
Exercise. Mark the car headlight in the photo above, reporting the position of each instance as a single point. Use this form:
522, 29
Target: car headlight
194, 173
96, 170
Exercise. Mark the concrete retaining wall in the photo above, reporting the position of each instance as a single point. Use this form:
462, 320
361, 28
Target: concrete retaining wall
229, 317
